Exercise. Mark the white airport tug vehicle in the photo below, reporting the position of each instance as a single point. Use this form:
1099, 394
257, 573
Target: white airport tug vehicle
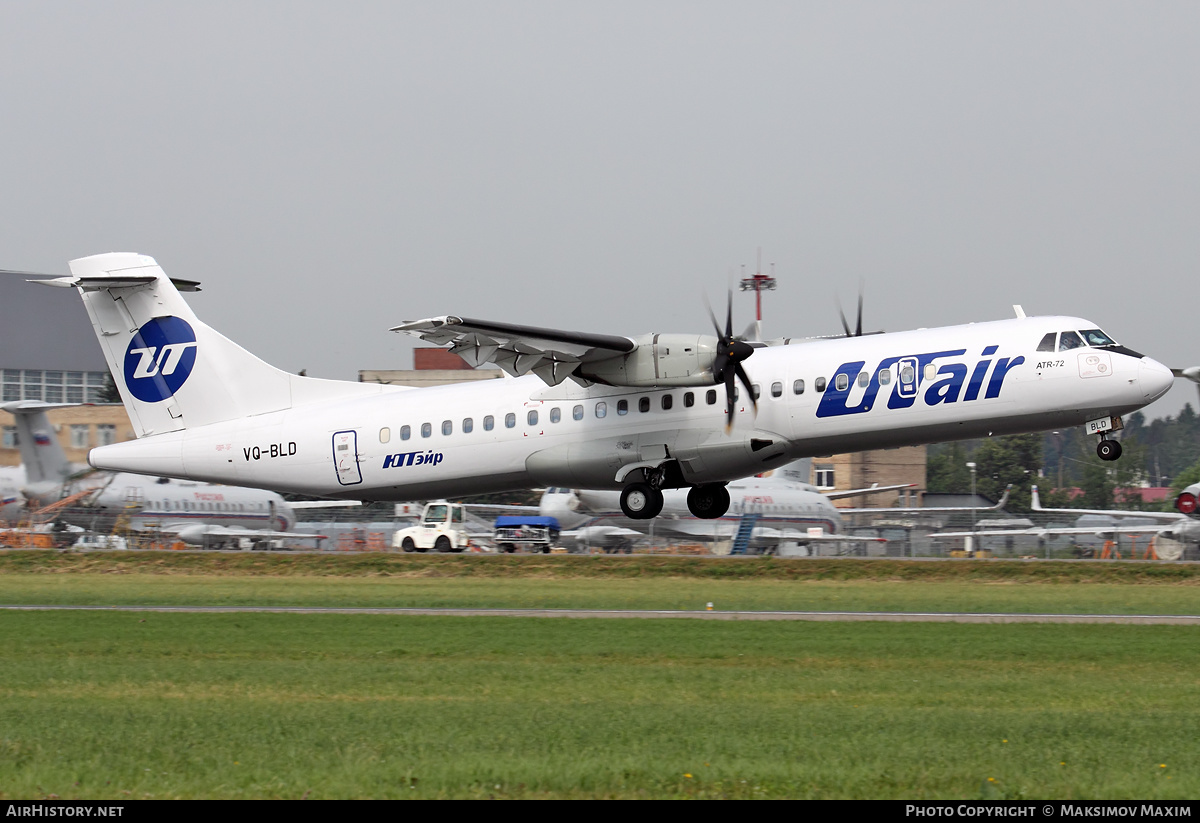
442, 528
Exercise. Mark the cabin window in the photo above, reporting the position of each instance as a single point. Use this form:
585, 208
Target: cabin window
1069, 340
689, 399
385, 434
643, 404
756, 390
577, 413
710, 397
819, 384
532, 417
885, 376
841, 382
510, 420
468, 425
777, 390
447, 427
798, 387
601, 409
1047, 343
863, 379
667, 402
555, 414
426, 429
908, 374
489, 423
405, 432
622, 407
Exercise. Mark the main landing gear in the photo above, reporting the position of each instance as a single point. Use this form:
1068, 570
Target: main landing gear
644, 500
708, 502
641, 501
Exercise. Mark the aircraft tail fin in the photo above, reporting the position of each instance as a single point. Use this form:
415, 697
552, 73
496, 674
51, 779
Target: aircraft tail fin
43, 456
172, 370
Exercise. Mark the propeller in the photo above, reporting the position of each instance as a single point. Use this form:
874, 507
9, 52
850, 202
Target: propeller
1192, 373
858, 326
727, 365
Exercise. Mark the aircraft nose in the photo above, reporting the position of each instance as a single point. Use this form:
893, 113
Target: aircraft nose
1155, 378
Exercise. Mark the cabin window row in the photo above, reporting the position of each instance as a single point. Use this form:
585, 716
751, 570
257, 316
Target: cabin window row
666, 402
191, 506
644, 404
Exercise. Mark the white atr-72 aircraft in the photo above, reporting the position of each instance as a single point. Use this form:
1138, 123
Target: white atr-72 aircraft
587, 411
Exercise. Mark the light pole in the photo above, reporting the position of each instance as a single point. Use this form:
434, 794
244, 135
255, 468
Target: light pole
971, 550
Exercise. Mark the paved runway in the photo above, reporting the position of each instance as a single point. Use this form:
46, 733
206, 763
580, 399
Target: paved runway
887, 617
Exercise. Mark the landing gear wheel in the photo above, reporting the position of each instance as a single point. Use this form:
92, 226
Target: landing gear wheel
408, 545
641, 501
1108, 449
708, 502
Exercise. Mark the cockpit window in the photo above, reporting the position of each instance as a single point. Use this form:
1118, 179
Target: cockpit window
1069, 340
1047, 343
1095, 337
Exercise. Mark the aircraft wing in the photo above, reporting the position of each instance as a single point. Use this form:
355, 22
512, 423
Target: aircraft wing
1166, 516
802, 536
551, 354
501, 507
602, 531
192, 531
864, 492
1098, 531
926, 509
705, 529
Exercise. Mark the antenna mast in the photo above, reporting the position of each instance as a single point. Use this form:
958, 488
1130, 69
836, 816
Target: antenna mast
758, 283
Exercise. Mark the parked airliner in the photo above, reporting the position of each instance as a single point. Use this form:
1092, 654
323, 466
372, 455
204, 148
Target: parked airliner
196, 513
785, 510
586, 410
12, 479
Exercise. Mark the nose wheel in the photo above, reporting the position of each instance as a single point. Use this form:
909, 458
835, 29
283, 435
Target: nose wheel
641, 501
1108, 449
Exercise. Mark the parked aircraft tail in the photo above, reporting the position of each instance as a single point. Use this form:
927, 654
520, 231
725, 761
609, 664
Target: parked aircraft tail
172, 370
43, 456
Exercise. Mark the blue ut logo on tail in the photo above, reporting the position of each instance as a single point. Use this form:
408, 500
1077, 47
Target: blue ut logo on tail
159, 358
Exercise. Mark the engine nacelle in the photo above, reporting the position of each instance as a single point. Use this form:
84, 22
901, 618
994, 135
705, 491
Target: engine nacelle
658, 360
1186, 502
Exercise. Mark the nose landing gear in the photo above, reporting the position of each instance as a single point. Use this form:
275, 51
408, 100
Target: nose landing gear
1108, 449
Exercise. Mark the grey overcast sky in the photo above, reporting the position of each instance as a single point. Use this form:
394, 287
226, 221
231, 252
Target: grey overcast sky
330, 169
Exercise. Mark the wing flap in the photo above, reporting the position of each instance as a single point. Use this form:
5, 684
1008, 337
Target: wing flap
551, 354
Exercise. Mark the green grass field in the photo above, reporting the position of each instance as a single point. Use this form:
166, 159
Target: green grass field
185, 705
131, 705
653, 593
160, 578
